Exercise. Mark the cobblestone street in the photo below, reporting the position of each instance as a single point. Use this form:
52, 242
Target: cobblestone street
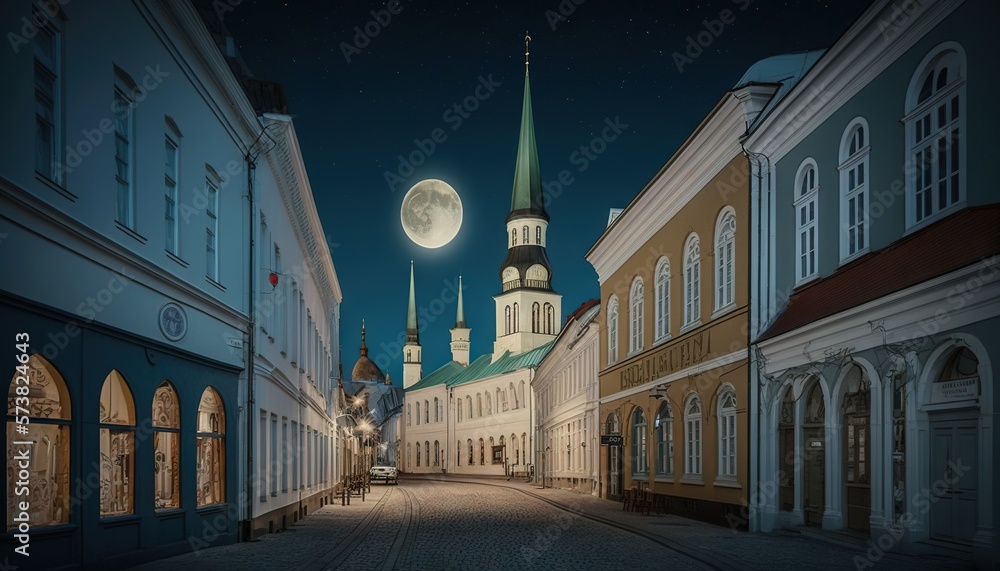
496, 524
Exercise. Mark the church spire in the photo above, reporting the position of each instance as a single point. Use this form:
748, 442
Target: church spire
364, 348
460, 314
526, 198
412, 331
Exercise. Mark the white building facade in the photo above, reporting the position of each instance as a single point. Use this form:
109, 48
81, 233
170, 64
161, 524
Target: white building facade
567, 402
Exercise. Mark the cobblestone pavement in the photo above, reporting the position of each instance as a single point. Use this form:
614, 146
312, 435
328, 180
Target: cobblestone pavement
458, 523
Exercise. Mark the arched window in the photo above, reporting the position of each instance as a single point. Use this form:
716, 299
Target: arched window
409, 454
635, 316
640, 461
468, 402
935, 116
479, 404
437, 410
517, 452
437, 453
513, 393
458, 453
117, 438
725, 241
524, 235
664, 441
499, 400
550, 319
506, 317
39, 392
692, 436
459, 408
536, 318
612, 330
727, 433
489, 403
538, 235
482, 453
806, 193
211, 449
662, 305
418, 454
408, 415
427, 412
418, 414
517, 318
854, 149
513, 237
692, 280
166, 447
427, 452
471, 462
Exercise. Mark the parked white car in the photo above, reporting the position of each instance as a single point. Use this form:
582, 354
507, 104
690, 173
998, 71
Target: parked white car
384, 473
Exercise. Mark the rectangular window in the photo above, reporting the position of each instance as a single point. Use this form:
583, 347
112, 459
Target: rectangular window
284, 454
117, 471
124, 110
47, 100
294, 458
170, 195
272, 463
212, 230
262, 459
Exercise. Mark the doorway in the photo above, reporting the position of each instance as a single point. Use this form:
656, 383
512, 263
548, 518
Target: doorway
954, 464
614, 472
814, 458
857, 450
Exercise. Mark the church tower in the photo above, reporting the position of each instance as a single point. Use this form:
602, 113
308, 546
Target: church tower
411, 349
528, 312
460, 333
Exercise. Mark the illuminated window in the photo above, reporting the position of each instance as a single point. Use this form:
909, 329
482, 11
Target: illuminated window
211, 449
117, 440
166, 447
38, 392
664, 441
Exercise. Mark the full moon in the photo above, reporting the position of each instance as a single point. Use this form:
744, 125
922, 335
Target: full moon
431, 213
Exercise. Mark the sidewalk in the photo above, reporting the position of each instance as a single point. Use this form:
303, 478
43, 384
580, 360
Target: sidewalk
729, 549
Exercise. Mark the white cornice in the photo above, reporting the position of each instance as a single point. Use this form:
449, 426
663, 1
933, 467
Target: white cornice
712, 145
296, 195
916, 312
859, 56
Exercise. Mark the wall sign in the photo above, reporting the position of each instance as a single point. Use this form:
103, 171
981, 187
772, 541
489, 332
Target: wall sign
611, 440
173, 321
959, 389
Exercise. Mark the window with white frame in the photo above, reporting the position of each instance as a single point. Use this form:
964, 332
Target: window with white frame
662, 289
727, 433
806, 193
124, 111
170, 177
613, 330
854, 149
935, 112
725, 240
664, 441
692, 436
212, 229
640, 461
692, 280
635, 299
48, 98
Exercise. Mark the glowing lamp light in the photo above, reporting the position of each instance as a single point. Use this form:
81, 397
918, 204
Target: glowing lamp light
273, 278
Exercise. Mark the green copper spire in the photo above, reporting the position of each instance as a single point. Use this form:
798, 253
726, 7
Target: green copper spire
412, 332
527, 194
460, 314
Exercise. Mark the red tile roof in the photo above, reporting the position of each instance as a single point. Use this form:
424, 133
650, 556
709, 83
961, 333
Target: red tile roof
962, 239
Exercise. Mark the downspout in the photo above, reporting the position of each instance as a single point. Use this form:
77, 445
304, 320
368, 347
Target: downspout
247, 532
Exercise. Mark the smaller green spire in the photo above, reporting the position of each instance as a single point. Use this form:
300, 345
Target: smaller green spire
460, 314
412, 331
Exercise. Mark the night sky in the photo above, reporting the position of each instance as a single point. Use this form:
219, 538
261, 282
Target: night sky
592, 61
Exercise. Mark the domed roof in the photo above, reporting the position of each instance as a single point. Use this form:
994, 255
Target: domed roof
365, 369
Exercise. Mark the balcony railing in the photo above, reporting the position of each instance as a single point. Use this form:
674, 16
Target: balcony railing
537, 284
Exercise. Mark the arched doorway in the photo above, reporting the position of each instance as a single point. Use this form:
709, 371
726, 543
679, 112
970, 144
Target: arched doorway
954, 453
814, 457
857, 449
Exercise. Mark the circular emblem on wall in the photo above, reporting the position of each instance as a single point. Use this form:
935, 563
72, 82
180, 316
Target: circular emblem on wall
173, 321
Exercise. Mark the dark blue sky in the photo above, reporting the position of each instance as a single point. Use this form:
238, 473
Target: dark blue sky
602, 61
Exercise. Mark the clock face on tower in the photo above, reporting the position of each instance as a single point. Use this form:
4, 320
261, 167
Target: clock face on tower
173, 321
